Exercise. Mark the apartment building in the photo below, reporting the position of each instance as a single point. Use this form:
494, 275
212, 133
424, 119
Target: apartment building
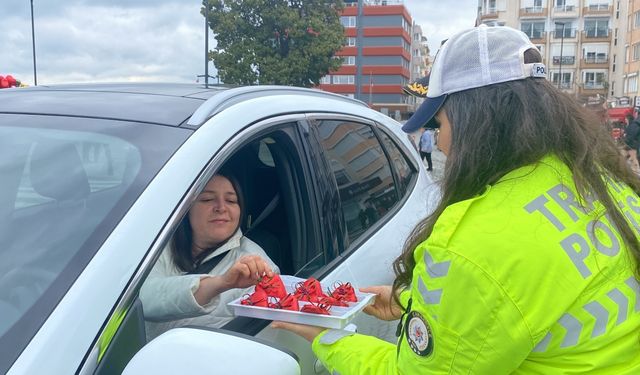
376, 59
420, 62
632, 62
582, 41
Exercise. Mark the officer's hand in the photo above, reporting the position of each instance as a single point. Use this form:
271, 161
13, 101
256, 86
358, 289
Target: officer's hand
384, 307
307, 332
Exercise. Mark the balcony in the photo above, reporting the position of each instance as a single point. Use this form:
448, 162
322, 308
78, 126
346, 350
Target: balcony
566, 60
569, 33
489, 14
565, 11
597, 10
537, 37
595, 62
563, 85
592, 88
535, 12
596, 35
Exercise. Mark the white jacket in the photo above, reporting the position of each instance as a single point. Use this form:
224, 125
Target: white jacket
167, 294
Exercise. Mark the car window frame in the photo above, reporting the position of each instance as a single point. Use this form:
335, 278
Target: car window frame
129, 296
369, 232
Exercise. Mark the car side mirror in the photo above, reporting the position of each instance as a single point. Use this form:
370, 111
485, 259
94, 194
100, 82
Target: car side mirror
210, 351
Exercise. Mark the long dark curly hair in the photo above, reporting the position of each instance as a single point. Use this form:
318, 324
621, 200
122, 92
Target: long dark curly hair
502, 127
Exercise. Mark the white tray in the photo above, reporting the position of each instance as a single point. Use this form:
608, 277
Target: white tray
339, 318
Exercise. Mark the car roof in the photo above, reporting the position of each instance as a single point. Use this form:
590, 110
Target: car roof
171, 104
165, 104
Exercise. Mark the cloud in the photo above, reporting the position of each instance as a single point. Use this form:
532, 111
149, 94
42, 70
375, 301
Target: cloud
144, 40
441, 19
97, 42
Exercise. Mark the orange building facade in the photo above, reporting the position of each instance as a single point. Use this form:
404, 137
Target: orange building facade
376, 58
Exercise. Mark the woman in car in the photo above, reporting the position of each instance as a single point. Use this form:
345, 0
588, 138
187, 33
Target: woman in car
207, 264
530, 262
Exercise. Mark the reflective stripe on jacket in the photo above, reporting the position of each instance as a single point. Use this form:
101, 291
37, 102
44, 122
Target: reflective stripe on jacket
521, 279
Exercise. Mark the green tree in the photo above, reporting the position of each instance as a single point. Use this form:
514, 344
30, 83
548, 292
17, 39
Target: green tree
282, 42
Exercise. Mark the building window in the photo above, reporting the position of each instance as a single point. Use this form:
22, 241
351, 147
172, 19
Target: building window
597, 5
632, 82
348, 60
566, 79
348, 21
562, 6
491, 7
343, 79
326, 80
534, 30
594, 80
636, 52
350, 42
596, 57
596, 28
565, 30
636, 17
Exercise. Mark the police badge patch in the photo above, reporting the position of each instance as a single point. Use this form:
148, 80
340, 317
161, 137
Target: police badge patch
418, 333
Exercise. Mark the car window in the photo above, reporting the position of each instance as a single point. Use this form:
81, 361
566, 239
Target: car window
269, 181
108, 162
66, 183
362, 173
404, 171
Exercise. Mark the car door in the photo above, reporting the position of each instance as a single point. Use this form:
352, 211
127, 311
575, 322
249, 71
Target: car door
314, 247
381, 196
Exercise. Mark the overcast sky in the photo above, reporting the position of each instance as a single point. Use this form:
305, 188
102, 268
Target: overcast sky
144, 40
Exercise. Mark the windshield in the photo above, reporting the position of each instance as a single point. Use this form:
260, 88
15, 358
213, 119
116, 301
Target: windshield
66, 183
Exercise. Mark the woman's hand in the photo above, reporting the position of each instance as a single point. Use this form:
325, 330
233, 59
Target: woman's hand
384, 307
246, 271
305, 331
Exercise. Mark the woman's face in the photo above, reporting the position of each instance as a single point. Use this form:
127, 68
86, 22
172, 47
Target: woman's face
216, 213
444, 136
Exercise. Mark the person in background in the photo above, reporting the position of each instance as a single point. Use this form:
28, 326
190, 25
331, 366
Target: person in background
426, 147
530, 262
632, 143
207, 264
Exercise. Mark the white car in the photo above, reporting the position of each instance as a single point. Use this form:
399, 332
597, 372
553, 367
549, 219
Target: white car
95, 178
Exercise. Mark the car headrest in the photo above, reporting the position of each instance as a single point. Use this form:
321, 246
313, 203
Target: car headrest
57, 171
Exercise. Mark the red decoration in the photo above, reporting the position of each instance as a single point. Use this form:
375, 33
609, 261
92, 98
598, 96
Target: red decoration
257, 298
8, 81
344, 292
309, 290
316, 309
273, 286
289, 302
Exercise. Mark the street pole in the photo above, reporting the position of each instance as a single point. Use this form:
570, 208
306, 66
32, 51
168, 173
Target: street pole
561, 45
33, 44
370, 88
206, 43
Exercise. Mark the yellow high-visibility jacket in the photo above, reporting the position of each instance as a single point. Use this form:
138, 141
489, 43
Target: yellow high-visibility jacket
522, 279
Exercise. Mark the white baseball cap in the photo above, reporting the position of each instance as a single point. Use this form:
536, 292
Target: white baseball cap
476, 57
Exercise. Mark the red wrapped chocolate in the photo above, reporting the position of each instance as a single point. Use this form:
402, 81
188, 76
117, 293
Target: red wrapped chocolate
309, 290
273, 286
344, 292
289, 302
318, 308
257, 298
